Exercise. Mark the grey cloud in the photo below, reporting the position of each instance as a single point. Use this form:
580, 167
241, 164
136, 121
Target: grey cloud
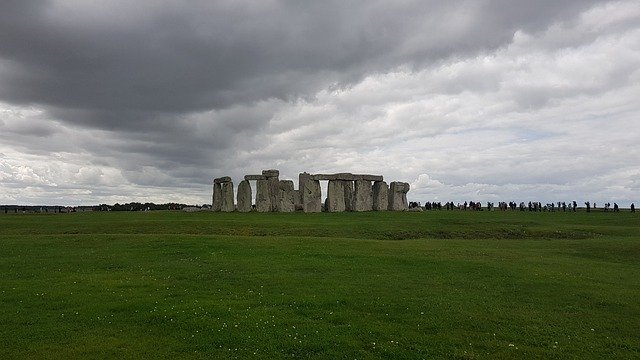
179, 59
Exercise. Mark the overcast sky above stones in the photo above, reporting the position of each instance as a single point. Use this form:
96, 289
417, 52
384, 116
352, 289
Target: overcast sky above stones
484, 100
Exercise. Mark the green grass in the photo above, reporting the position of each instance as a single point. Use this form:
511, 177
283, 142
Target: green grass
465, 285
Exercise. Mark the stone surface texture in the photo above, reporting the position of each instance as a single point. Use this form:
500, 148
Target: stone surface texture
363, 196
227, 204
221, 180
216, 204
286, 201
398, 196
349, 195
263, 200
255, 177
335, 196
380, 196
310, 193
244, 196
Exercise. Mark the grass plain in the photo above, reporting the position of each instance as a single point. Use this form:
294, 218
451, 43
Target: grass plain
438, 284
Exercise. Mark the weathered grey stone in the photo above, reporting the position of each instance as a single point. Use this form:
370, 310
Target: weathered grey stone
380, 196
255, 177
346, 177
398, 196
227, 204
368, 177
216, 204
310, 193
286, 201
296, 198
274, 190
363, 199
221, 180
349, 195
263, 200
271, 173
335, 196
244, 196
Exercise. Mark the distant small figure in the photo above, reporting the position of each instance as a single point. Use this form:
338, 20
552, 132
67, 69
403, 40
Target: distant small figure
615, 207
633, 208
588, 204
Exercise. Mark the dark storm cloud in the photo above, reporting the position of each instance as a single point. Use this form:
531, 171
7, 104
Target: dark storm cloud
126, 64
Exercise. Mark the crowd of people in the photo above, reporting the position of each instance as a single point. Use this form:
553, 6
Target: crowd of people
533, 206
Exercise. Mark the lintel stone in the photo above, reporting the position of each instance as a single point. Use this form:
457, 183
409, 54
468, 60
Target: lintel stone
221, 180
346, 177
255, 177
271, 173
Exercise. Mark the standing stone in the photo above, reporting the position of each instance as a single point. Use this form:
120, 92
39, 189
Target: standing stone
244, 196
349, 196
227, 197
335, 196
286, 201
274, 187
217, 197
297, 202
380, 196
263, 200
310, 193
398, 196
363, 199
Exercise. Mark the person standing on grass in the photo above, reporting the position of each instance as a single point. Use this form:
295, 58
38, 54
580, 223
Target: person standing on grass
633, 208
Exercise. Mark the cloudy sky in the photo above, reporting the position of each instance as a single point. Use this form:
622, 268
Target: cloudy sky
484, 100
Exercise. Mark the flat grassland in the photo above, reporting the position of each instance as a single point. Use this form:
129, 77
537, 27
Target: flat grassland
440, 284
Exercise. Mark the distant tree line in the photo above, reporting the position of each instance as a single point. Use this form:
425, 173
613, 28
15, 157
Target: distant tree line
132, 206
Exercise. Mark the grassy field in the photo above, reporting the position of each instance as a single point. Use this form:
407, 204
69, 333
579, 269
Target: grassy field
465, 285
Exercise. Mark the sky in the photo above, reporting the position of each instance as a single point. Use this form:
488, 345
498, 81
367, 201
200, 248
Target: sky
476, 100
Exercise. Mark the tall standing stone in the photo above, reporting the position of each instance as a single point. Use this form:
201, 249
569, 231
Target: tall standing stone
335, 196
363, 199
227, 197
244, 196
286, 202
380, 196
217, 197
297, 202
263, 198
310, 193
349, 195
398, 196
274, 187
